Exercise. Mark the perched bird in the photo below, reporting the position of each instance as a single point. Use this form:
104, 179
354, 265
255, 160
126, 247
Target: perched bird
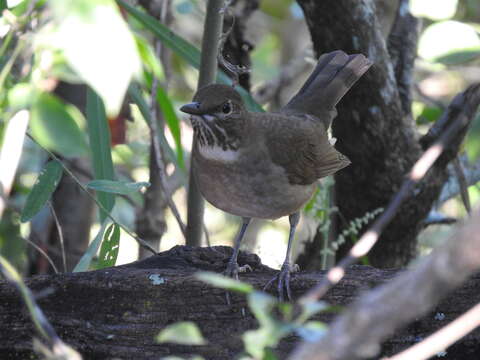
266, 165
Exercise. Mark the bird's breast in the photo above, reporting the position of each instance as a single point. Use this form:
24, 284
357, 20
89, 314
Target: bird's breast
218, 154
247, 184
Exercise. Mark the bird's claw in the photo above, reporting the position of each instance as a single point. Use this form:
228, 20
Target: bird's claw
283, 278
232, 271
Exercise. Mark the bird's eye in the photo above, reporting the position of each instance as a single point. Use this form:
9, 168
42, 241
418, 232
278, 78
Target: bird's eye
227, 108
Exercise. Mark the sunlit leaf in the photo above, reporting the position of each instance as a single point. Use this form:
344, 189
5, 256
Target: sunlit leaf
185, 333
20, 96
279, 9
54, 127
434, 9
13, 3
117, 187
148, 57
43, 188
99, 135
444, 39
110, 247
224, 282
86, 259
98, 45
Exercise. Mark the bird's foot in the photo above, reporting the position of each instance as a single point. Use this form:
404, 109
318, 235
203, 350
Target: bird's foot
232, 271
283, 278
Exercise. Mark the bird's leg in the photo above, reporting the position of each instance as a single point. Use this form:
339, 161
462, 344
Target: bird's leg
283, 276
233, 269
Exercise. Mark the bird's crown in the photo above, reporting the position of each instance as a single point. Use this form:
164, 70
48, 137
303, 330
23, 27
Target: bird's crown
214, 98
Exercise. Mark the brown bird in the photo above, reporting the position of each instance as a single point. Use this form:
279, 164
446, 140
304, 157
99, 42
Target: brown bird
266, 165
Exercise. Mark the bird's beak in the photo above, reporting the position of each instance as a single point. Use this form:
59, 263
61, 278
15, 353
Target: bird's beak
191, 108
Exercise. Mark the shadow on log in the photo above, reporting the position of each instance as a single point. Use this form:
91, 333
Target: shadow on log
117, 312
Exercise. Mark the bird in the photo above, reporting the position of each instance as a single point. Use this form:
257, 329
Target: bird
267, 164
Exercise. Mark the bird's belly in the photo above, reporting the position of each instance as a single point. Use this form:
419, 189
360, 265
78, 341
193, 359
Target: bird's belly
253, 189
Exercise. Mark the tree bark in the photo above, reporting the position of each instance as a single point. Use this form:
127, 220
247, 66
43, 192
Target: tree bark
374, 126
116, 312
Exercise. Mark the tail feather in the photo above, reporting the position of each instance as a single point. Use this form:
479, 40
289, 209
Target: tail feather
334, 74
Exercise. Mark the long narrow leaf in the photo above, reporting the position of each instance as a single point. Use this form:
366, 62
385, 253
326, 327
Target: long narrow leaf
45, 185
110, 247
183, 48
139, 100
169, 38
172, 121
117, 187
99, 135
86, 259
53, 125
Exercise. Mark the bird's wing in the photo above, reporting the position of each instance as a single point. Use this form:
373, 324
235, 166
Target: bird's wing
301, 146
334, 74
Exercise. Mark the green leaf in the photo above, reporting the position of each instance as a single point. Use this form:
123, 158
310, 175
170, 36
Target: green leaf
43, 188
117, 187
138, 99
458, 57
312, 331
168, 37
86, 259
110, 247
98, 45
269, 355
149, 58
261, 305
311, 308
224, 282
185, 333
99, 135
20, 96
183, 48
172, 121
257, 341
53, 125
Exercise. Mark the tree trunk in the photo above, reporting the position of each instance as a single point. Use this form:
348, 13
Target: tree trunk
374, 126
117, 312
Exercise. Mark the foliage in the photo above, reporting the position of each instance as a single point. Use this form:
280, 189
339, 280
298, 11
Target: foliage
276, 320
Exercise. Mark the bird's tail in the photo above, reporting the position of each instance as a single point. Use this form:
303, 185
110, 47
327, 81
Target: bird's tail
334, 75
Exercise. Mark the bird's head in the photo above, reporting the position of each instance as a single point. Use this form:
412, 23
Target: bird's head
218, 116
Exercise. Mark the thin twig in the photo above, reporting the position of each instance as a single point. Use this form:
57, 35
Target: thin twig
443, 338
41, 251
208, 70
159, 157
140, 241
418, 171
462, 182
235, 70
60, 235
